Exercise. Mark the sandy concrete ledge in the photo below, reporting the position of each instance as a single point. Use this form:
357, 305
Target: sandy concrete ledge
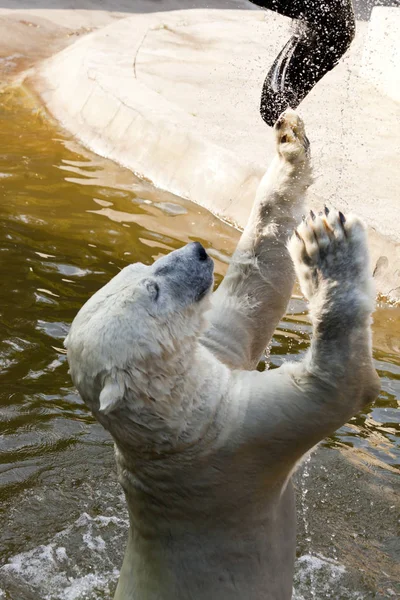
29, 34
31, 30
97, 91
381, 56
174, 96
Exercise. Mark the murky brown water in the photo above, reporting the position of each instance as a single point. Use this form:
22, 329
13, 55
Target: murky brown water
69, 221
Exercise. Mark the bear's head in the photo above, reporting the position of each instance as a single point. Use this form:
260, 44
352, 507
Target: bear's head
132, 340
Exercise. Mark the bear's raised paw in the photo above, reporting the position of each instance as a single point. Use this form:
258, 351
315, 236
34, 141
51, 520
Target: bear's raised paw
330, 255
291, 139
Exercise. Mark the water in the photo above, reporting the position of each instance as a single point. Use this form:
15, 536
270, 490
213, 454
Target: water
69, 221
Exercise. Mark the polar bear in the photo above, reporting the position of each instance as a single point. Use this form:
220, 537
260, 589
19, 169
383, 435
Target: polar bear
205, 444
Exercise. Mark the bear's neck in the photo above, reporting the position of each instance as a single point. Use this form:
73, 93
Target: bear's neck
171, 379
171, 403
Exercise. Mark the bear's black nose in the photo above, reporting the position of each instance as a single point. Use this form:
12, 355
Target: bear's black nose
201, 253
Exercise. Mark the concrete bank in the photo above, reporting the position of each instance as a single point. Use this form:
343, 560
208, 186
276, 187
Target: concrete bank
174, 96
31, 30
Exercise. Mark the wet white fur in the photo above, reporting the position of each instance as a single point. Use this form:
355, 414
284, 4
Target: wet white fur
205, 445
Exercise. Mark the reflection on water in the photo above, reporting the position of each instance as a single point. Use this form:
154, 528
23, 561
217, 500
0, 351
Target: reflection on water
69, 222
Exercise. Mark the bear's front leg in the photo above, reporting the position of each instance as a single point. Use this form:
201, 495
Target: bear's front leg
256, 289
331, 259
337, 377
290, 409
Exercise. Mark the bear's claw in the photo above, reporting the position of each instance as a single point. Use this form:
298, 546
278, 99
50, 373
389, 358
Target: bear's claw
331, 250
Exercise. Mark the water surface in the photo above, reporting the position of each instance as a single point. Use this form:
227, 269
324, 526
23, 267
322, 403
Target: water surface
69, 221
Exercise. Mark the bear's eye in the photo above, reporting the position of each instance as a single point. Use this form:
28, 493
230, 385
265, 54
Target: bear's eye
165, 270
153, 289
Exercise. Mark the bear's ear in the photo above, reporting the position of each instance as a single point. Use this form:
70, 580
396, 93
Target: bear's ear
110, 396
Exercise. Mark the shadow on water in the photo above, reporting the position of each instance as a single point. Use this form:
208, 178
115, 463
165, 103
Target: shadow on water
69, 221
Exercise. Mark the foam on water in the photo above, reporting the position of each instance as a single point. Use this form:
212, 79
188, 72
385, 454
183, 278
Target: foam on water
49, 572
322, 577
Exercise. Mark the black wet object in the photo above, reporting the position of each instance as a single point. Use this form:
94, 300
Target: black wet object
325, 31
